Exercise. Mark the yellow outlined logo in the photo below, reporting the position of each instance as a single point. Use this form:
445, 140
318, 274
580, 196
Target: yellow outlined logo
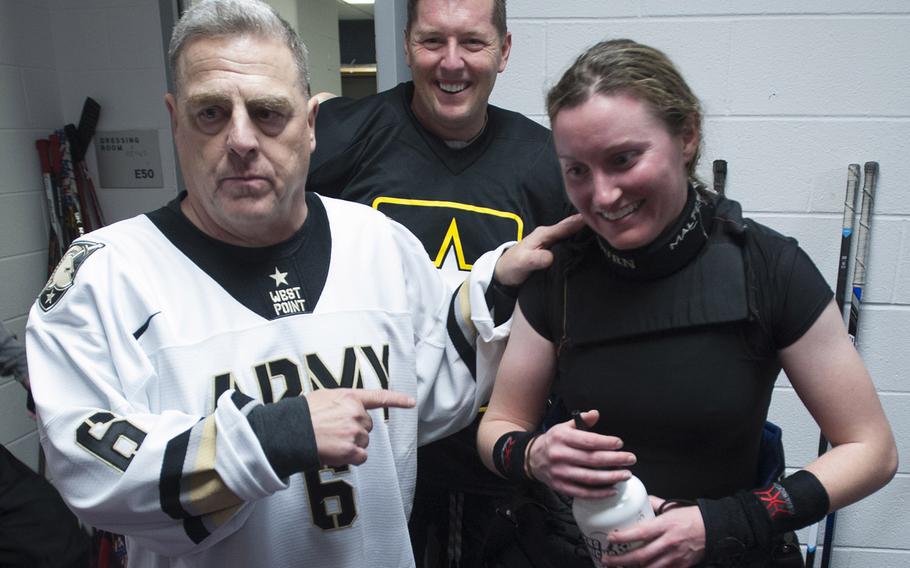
452, 237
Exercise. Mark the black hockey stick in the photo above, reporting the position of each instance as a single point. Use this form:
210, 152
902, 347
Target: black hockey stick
55, 240
78, 140
863, 235
720, 176
840, 296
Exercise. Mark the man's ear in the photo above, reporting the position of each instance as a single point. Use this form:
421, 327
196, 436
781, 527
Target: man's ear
312, 110
171, 103
407, 49
505, 51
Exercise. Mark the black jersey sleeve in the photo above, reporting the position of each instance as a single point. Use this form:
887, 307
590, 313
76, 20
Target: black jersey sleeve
795, 292
802, 298
534, 301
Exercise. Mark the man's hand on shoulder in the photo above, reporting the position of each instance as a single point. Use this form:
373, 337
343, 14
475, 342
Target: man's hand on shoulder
533, 252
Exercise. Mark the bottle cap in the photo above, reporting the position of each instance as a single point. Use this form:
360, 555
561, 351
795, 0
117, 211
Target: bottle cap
580, 424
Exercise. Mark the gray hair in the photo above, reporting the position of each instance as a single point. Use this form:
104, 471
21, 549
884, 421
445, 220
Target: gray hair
222, 18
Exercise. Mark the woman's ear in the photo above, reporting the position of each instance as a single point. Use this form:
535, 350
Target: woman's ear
691, 137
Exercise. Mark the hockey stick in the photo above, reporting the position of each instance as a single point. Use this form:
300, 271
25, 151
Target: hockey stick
78, 140
88, 201
88, 122
720, 176
862, 249
70, 220
840, 297
856, 299
62, 164
55, 240
70, 158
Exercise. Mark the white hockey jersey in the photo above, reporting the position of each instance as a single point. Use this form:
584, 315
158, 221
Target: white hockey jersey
151, 345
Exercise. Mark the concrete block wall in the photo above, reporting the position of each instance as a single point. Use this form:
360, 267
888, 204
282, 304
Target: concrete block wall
112, 51
53, 54
29, 109
792, 93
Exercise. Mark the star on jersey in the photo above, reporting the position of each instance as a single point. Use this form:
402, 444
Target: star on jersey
451, 273
279, 277
286, 300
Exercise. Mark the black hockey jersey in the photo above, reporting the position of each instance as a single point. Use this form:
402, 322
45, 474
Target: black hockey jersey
460, 203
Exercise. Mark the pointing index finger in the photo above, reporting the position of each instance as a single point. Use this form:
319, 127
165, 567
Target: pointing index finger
567, 227
381, 398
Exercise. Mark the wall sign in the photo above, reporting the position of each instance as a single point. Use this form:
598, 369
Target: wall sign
128, 158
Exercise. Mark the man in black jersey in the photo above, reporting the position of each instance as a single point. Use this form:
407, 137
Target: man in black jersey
464, 176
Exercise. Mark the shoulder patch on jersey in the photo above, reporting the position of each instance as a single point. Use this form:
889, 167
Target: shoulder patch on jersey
64, 275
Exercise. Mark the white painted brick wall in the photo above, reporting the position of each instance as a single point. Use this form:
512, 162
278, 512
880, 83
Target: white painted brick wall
28, 107
53, 54
112, 51
793, 92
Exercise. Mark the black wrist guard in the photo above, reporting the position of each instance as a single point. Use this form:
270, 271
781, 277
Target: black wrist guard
797, 501
735, 527
509, 455
744, 525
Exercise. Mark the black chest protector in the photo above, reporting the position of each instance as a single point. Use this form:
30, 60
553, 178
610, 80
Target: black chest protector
677, 363
702, 281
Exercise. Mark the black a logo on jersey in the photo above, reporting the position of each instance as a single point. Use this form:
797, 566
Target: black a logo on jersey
286, 299
65, 274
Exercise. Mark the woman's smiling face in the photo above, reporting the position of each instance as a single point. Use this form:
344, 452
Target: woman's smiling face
624, 171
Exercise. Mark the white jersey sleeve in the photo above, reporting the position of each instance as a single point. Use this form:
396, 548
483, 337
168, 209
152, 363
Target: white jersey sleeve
455, 333
107, 448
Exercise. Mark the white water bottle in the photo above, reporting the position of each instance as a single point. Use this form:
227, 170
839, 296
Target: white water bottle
597, 517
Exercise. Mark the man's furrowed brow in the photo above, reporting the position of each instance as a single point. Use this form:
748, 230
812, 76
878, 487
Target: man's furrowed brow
271, 102
208, 99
